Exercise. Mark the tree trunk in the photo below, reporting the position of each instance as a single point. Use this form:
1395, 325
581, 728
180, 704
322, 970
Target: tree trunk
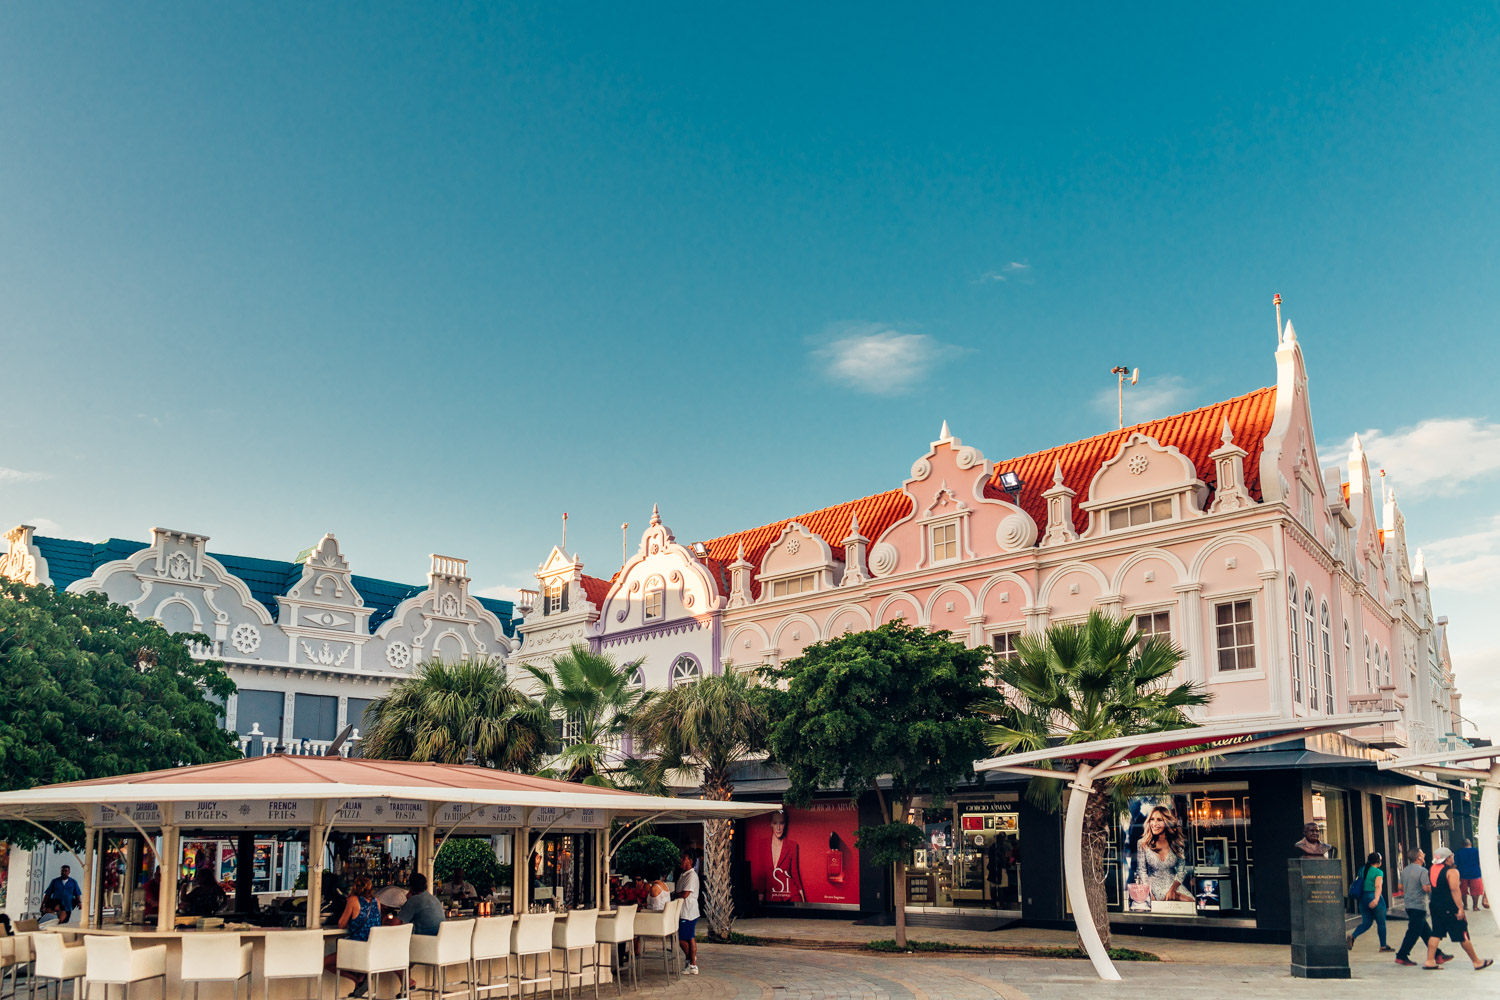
901, 905
1095, 848
719, 894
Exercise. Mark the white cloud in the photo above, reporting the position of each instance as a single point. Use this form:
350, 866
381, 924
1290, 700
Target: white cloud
1148, 399
499, 593
879, 359
19, 476
1468, 562
1477, 676
1450, 452
1015, 269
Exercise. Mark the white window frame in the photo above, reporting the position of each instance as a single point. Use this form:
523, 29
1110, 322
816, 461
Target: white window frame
956, 542
657, 597
1151, 613
1305, 496
1310, 628
682, 676
1004, 644
1294, 619
1150, 504
780, 588
1369, 677
1255, 670
1327, 630
552, 595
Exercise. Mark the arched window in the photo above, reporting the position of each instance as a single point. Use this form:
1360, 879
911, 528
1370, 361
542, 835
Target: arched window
1327, 658
656, 598
1310, 630
1348, 657
1293, 616
1376, 682
684, 671
638, 678
1369, 677
1387, 666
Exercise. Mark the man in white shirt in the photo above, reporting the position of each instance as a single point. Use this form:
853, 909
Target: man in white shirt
687, 922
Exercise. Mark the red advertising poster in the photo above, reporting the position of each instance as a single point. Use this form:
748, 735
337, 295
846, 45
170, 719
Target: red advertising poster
806, 857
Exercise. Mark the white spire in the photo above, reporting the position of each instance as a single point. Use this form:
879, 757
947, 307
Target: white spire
1290, 335
1227, 436
943, 435
854, 523
655, 515
1057, 476
1358, 447
1419, 567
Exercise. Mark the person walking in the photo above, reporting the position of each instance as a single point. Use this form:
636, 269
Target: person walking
687, 923
1448, 917
1415, 888
64, 892
1471, 876
1371, 901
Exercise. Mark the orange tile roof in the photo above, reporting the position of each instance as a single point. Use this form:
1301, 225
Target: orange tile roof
1195, 434
594, 589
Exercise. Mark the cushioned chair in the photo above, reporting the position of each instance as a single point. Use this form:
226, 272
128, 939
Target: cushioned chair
215, 958
661, 927
55, 962
616, 929
388, 950
491, 942
452, 945
114, 961
15, 954
576, 934
295, 955
532, 938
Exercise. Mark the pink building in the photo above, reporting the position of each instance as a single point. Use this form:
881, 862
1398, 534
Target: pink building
1288, 585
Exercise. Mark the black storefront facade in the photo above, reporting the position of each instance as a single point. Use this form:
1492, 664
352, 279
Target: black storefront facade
993, 858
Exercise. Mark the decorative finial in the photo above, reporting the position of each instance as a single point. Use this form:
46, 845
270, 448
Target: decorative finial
1057, 476
1419, 566
943, 435
1359, 447
1291, 334
1227, 435
854, 523
740, 552
1277, 302
655, 515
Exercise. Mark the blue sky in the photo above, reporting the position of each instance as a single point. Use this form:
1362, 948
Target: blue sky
428, 276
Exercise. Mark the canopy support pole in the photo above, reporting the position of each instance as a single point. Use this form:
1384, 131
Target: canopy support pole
520, 872
1083, 916
316, 838
1488, 833
171, 851
89, 902
427, 853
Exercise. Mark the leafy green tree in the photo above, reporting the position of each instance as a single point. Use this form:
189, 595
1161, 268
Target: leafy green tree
475, 857
896, 702
647, 856
449, 710
92, 691
1092, 681
590, 700
708, 728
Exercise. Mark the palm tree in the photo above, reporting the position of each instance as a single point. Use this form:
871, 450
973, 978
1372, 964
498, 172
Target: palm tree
591, 699
450, 712
709, 727
1079, 683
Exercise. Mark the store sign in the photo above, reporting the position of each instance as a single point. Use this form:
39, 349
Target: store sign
806, 857
1440, 815
468, 816
543, 817
382, 812
247, 815
145, 814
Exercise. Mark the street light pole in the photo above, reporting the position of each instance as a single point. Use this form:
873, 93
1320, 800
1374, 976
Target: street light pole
1122, 371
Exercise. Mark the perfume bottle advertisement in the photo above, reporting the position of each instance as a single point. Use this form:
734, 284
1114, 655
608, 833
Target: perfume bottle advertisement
805, 857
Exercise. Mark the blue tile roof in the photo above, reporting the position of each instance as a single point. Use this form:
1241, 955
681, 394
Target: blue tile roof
69, 561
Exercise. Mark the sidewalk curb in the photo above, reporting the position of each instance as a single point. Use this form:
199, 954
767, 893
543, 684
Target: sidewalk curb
1036, 952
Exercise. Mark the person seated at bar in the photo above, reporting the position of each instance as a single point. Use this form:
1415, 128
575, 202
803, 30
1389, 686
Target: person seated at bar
334, 899
206, 896
456, 888
361, 913
152, 895
422, 909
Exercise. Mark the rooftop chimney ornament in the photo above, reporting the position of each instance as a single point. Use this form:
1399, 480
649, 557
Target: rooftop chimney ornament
624, 543
565, 531
1277, 302
1135, 377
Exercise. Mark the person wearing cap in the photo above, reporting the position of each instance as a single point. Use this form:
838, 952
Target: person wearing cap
1447, 914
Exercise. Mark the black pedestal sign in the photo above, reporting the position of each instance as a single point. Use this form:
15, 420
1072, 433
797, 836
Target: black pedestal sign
1317, 897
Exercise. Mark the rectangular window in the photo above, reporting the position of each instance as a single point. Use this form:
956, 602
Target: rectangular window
1005, 645
794, 585
1140, 513
1154, 623
354, 713
1234, 635
263, 708
656, 601
944, 542
1307, 507
315, 717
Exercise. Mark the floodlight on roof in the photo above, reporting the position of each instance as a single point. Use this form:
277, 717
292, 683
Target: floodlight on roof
1011, 483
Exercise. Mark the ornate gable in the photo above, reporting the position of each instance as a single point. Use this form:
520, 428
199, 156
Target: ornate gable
23, 561
662, 582
323, 616
443, 622
1144, 483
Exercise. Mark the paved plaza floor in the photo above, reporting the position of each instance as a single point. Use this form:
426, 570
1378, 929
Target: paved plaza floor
1227, 971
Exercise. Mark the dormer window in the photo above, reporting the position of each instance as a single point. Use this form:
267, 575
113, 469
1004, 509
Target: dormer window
944, 541
1307, 506
554, 599
1138, 514
803, 584
656, 601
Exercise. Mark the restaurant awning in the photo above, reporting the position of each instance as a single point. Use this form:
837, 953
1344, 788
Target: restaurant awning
1101, 760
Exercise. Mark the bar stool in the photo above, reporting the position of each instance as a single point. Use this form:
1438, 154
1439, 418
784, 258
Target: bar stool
532, 938
214, 958
114, 961
577, 934
661, 926
492, 941
615, 929
452, 945
295, 955
15, 953
55, 961
388, 950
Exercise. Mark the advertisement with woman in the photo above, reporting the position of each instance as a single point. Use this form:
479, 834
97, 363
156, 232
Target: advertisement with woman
805, 857
1155, 856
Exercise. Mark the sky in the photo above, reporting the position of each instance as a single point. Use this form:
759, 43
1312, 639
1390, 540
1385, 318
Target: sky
429, 276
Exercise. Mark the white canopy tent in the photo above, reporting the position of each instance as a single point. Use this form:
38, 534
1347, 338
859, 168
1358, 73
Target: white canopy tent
1100, 760
1446, 763
320, 793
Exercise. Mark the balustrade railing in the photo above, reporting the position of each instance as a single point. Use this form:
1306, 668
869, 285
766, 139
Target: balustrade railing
258, 744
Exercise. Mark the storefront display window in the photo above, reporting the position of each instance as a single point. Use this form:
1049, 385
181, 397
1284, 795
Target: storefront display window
972, 859
805, 857
1186, 853
562, 872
